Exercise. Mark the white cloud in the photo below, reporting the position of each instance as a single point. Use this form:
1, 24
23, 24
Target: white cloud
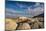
37, 4
36, 11
13, 13
10, 10
29, 12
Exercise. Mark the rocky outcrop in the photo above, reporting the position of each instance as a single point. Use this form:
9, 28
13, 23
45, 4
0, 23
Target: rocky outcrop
24, 23
24, 26
22, 19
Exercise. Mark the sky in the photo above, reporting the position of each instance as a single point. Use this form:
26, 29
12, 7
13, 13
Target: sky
21, 8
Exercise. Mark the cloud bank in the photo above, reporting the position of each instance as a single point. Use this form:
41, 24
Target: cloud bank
24, 10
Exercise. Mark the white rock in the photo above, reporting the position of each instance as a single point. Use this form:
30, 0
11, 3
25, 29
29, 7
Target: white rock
35, 26
24, 26
21, 19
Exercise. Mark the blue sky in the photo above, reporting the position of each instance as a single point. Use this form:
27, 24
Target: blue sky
18, 8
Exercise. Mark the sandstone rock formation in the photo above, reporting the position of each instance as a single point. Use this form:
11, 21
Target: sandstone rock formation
24, 26
24, 23
10, 24
21, 19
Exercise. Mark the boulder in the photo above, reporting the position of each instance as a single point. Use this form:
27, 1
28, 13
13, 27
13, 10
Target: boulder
21, 19
41, 24
35, 26
24, 26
